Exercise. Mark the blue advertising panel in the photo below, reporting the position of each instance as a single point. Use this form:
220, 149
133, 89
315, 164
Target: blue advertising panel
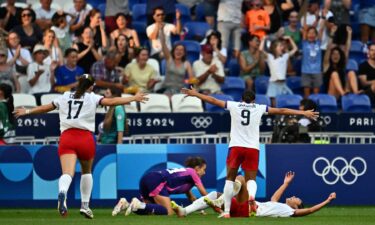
348, 170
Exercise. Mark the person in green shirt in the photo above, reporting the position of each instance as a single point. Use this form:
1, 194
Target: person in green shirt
114, 121
7, 120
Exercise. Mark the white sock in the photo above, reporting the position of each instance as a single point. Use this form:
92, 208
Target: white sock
228, 194
86, 188
64, 183
142, 205
199, 204
236, 187
251, 187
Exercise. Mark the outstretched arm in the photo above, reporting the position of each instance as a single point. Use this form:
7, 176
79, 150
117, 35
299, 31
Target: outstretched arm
139, 97
36, 110
285, 111
277, 195
206, 98
315, 208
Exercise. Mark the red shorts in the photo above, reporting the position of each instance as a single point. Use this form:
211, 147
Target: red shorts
248, 158
79, 142
239, 209
2, 142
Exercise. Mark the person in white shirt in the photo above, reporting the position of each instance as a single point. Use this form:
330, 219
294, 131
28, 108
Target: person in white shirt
77, 124
277, 61
209, 71
241, 207
244, 138
44, 14
154, 29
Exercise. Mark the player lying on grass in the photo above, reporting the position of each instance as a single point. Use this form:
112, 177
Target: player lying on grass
241, 207
156, 186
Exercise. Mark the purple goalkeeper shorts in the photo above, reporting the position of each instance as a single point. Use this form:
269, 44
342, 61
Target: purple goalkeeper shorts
152, 184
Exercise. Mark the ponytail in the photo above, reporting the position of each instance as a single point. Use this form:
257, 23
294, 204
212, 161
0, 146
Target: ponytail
84, 83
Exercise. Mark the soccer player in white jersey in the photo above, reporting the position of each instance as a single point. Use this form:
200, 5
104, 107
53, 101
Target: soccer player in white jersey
293, 206
77, 124
244, 138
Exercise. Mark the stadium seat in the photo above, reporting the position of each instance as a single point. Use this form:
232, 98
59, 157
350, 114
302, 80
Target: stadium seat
48, 98
262, 99
326, 103
356, 51
188, 104
193, 49
131, 107
355, 103
200, 13
132, 3
185, 12
139, 13
163, 67
25, 100
352, 65
233, 86
234, 68
140, 27
261, 84
288, 101
294, 83
196, 30
157, 103
214, 108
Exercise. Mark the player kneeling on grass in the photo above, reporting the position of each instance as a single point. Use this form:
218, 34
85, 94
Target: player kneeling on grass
241, 207
156, 186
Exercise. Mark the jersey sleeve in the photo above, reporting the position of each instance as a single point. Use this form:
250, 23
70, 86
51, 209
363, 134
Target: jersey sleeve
264, 109
120, 118
97, 99
229, 105
194, 175
57, 101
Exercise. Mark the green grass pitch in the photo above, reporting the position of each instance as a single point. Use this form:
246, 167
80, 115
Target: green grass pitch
327, 216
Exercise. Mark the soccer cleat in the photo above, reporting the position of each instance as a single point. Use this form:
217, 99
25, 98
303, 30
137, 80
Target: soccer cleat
134, 205
214, 204
224, 215
180, 212
122, 205
87, 213
252, 207
61, 204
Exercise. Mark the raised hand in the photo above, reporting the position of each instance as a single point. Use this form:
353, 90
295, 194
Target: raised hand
311, 114
189, 92
18, 112
288, 177
141, 97
332, 196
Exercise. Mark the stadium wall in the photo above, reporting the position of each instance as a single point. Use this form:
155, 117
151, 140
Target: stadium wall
29, 174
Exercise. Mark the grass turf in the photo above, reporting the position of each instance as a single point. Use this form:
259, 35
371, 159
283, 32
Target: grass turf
329, 215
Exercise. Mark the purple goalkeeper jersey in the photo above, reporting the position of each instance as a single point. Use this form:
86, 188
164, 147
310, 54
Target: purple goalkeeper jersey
180, 180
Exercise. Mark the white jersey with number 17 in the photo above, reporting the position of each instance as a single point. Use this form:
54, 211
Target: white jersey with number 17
77, 113
245, 122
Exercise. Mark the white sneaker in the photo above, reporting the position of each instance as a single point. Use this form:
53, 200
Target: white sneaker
122, 205
214, 203
61, 204
180, 212
87, 213
134, 205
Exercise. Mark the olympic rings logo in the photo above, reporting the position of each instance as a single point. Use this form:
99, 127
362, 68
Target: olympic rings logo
340, 173
201, 122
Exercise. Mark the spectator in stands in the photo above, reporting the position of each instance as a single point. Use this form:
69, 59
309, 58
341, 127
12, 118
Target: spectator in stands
88, 53
311, 16
18, 56
10, 15
122, 28
257, 19
66, 76
168, 6
191, 4
80, 10
114, 123
367, 20
288, 6
7, 120
50, 42
328, 22
292, 29
251, 60
158, 26
209, 71
62, 29
112, 9
229, 21
311, 60
44, 14
28, 31
367, 74
94, 21
125, 53
105, 73
337, 82
40, 76
7, 73
177, 68
140, 75
210, 10
341, 11
275, 15
277, 61
220, 52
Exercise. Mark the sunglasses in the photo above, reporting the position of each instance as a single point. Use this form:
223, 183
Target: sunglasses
26, 15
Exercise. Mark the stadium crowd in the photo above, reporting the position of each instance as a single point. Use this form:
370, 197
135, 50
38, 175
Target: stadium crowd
296, 47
